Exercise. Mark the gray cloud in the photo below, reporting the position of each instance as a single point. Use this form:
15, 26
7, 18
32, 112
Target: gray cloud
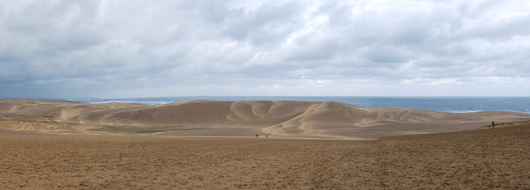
271, 22
172, 48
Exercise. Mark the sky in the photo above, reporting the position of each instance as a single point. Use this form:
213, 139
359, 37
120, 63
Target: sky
134, 49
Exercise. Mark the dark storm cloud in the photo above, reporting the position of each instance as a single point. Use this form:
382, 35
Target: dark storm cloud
169, 48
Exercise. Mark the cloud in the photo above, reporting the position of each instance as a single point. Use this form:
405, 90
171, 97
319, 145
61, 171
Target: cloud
272, 47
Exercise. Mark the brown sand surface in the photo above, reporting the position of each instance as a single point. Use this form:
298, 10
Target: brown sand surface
280, 119
478, 159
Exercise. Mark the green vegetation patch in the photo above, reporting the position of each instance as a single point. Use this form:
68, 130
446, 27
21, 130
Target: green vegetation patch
20, 117
74, 124
54, 122
142, 129
51, 117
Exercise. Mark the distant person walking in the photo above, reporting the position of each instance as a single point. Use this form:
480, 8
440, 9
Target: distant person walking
267, 136
256, 135
493, 124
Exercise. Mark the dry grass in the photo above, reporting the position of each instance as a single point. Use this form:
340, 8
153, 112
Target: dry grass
141, 129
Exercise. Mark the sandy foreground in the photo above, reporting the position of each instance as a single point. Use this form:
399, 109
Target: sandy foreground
50, 145
479, 159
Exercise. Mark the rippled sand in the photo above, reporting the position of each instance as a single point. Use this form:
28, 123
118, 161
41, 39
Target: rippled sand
481, 159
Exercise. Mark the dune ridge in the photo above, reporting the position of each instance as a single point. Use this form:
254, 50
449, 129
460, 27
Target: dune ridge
288, 119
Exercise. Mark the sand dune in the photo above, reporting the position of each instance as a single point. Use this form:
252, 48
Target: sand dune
476, 159
281, 119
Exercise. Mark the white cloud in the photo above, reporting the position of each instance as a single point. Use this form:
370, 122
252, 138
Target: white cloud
108, 48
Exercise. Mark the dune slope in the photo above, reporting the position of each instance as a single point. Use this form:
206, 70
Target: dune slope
281, 119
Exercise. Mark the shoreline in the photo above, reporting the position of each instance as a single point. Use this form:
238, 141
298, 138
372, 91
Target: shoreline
438, 103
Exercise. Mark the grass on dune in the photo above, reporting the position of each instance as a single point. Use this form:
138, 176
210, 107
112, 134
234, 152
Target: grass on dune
20, 117
507, 123
110, 128
142, 129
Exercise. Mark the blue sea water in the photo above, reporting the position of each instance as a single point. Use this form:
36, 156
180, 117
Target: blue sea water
445, 104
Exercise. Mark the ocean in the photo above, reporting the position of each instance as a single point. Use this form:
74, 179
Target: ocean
445, 104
